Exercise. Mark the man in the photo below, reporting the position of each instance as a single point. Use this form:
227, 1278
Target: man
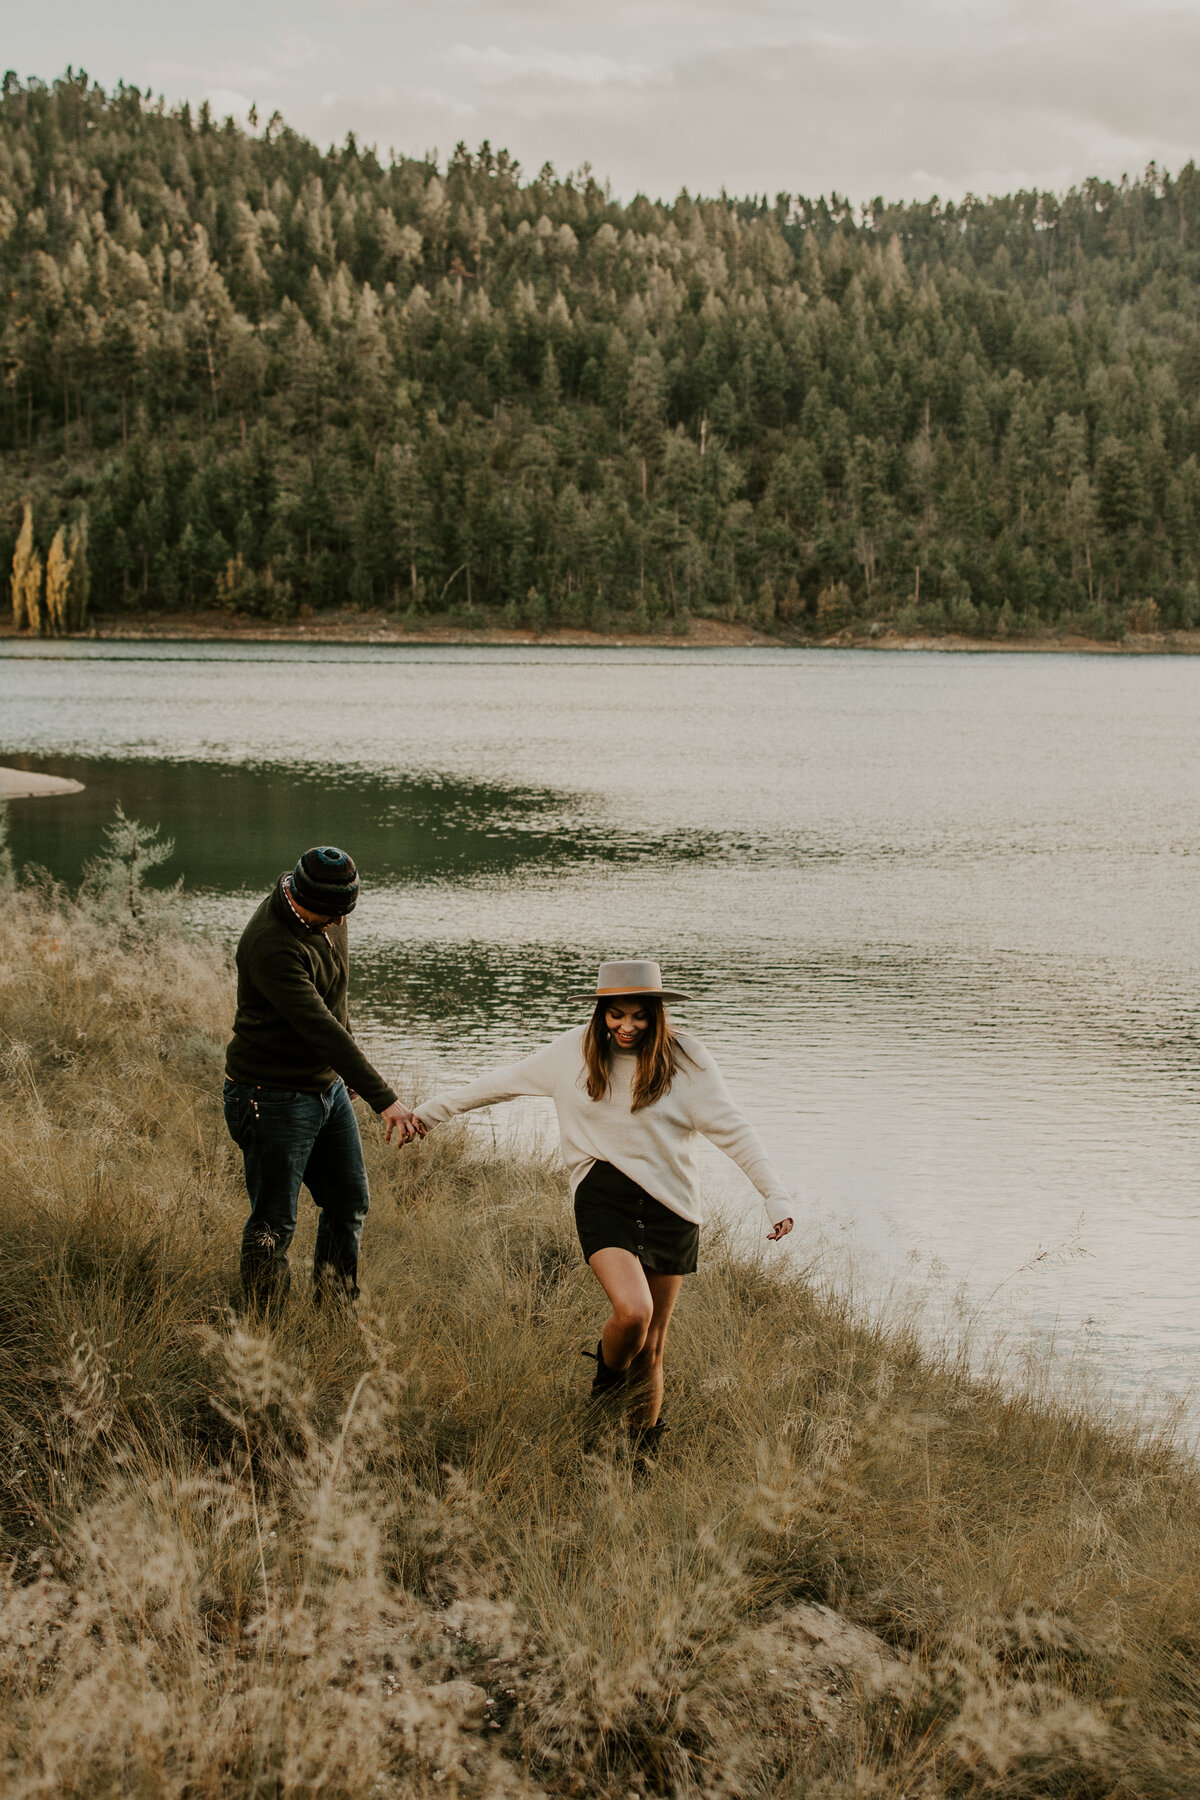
290, 1072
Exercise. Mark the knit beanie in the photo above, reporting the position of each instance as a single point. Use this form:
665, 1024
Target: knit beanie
326, 881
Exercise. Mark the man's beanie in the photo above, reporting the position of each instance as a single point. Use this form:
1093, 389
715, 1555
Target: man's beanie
326, 881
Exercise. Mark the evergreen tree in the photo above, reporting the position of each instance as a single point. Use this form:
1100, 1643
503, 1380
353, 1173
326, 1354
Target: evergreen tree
279, 376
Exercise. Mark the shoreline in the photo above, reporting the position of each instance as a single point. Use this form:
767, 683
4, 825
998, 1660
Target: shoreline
879, 1561
705, 634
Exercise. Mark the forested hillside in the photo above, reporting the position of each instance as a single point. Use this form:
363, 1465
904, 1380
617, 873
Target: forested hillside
277, 379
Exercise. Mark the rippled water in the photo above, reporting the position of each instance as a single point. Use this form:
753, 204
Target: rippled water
939, 912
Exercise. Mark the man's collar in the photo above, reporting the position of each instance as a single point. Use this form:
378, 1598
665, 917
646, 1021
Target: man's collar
285, 888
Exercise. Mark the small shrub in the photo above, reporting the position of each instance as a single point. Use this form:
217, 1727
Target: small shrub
241, 588
114, 886
1143, 617
833, 605
962, 615
791, 603
7, 872
1099, 622
536, 611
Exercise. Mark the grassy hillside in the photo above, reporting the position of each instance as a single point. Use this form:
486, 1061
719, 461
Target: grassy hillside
393, 1554
279, 379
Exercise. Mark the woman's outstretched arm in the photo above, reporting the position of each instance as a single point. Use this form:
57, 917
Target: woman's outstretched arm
535, 1075
717, 1118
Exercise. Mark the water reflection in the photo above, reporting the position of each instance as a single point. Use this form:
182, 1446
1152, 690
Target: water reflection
940, 914
235, 826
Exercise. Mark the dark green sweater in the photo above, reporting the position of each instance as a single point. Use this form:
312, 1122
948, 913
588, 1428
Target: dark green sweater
291, 1029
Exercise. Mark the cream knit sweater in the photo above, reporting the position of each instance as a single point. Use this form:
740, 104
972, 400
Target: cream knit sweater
654, 1147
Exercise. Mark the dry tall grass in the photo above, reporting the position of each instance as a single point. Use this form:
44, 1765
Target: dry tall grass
393, 1554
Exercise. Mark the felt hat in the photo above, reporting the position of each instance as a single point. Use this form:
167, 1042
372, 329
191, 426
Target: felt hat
628, 980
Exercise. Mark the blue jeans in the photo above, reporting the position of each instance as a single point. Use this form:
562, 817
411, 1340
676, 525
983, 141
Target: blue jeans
286, 1138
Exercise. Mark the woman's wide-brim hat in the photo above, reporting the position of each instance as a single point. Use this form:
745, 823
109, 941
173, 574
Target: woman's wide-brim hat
630, 980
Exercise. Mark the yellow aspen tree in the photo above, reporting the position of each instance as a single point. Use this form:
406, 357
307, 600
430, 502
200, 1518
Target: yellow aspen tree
20, 567
32, 588
81, 574
58, 584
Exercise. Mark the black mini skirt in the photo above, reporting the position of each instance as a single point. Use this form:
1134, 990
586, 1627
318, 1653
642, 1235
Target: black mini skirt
613, 1213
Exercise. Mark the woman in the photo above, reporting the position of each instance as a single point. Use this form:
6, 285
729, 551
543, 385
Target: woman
631, 1095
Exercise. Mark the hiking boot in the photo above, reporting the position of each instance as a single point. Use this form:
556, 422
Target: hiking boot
605, 1381
646, 1443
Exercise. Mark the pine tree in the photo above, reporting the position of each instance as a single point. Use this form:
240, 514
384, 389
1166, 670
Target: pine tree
1079, 518
1119, 482
653, 405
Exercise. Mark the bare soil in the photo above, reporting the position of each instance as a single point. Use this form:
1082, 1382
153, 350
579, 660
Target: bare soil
705, 634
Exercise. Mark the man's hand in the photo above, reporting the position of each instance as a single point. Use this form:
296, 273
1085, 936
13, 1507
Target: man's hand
781, 1230
405, 1124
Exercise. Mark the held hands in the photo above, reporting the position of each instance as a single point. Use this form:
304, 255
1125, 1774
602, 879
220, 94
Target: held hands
779, 1231
405, 1124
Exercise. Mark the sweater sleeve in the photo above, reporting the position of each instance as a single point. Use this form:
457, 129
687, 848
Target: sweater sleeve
717, 1118
534, 1076
284, 980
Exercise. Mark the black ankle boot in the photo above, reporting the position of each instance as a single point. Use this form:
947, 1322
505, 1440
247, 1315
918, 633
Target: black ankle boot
646, 1444
605, 1380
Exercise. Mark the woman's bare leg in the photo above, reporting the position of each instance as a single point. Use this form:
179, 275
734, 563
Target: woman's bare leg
646, 1369
624, 1280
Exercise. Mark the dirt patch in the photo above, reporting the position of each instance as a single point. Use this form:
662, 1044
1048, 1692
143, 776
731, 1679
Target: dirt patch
382, 628
704, 634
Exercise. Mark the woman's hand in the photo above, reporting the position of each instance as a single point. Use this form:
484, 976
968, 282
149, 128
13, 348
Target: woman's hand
405, 1124
779, 1231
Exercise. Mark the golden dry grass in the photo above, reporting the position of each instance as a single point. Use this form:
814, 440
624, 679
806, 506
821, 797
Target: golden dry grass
394, 1554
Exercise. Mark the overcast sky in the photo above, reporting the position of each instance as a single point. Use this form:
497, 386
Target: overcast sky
907, 98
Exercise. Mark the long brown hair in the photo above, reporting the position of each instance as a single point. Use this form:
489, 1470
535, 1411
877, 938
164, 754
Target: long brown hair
658, 1054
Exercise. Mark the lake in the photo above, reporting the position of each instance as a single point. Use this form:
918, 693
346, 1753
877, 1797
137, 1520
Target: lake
940, 913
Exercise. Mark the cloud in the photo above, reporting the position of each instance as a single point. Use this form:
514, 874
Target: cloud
579, 68
952, 97
273, 63
228, 103
231, 85
636, 17
295, 50
396, 104
898, 97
